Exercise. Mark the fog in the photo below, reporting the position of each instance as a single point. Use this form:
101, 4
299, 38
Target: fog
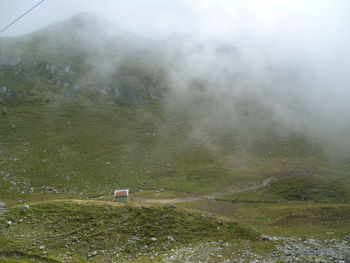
290, 59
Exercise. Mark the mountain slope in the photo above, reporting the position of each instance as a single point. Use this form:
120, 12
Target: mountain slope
85, 110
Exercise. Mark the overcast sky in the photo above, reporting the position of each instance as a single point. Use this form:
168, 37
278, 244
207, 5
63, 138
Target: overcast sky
159, 18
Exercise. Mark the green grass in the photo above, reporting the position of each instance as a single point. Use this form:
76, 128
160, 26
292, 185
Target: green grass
88, 132
81, 227
82, 148
303, 219
4, 260
308, 187
82, 134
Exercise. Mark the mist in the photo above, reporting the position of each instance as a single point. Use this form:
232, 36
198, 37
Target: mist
288, 61
248, 67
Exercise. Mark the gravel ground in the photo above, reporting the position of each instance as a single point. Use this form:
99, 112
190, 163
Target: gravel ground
288, 249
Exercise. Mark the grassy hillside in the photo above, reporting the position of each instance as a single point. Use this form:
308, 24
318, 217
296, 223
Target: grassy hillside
82, 116
78, 147
80, 230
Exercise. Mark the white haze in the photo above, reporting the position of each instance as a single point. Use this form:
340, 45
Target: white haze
291, 55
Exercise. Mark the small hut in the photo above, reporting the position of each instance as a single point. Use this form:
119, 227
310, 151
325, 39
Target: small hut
121, 195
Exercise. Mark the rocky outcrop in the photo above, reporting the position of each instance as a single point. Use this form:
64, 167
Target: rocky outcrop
9, 60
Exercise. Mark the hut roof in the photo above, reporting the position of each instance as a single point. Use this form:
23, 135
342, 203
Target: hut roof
121, 193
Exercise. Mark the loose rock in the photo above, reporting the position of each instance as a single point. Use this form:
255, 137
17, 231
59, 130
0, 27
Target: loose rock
25, 208
170, 206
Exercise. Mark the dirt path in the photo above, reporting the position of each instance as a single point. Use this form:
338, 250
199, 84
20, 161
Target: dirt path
172, 201
193, 198
216, 195
212, 196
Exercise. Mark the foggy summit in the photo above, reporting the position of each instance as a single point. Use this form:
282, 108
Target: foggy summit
174, 131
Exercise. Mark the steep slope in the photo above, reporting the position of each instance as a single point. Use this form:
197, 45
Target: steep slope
82, 56
85, 109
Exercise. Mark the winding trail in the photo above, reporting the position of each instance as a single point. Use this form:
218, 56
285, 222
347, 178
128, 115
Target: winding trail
212, 196
216, 195
191, 198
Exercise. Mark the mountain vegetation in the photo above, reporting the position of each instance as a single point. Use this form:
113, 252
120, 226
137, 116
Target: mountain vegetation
86, 108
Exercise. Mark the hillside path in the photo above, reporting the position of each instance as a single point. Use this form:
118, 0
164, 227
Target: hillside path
212, 196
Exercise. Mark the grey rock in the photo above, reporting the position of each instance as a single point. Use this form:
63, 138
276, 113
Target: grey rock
4, 90
52, 68
92, 254
347, 259
265, 238
153, 239
49, 189
9, 60
25, 208
67, 69
2, 205
170, 206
